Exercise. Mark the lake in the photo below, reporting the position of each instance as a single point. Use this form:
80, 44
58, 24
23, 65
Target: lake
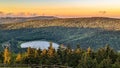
39, 44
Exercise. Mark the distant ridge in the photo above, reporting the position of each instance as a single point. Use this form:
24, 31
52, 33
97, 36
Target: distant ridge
28, 17
6, 20
91, 22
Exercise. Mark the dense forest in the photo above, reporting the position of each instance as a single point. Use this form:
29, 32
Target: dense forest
92, 31
93, 37
104, 57
92, 22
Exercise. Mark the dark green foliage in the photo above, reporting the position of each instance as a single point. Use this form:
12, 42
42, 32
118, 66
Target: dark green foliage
93, 37
106, 63
78, 58
1, 57
87, 63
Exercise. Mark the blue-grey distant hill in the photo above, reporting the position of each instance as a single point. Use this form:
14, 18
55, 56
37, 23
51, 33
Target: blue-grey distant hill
6, 20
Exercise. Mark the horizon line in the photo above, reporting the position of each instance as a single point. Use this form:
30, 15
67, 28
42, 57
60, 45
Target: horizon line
59, 16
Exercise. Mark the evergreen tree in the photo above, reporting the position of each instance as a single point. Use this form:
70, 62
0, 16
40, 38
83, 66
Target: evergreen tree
104, 53
87, 62
29, 52
1, 57
44, 57
44, 52
39, 51
51, 50
76, 56
7, 56
78, 50
89, 51
19, 58
100, 55
60, 54
36, 54
106, 63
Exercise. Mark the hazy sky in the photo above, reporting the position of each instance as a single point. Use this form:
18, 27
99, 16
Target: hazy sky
65, 8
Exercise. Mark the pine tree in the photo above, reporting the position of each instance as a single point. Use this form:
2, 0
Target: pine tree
76, 55
68, 50
87, 62
44, 52
1, 57
7, 57
39, 51
60, 54
51, 50
106, 63
100, 55
36, 54
89, 50
104, 53
109, 52
28, 52
18, 58
77, 50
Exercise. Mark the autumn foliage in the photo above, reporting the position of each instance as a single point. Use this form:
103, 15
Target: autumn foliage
79, 58
7, 56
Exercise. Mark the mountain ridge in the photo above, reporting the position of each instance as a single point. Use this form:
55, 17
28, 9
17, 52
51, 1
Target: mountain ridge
93, 22
7, 20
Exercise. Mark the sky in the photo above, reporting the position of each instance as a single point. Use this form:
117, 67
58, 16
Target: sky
61, 8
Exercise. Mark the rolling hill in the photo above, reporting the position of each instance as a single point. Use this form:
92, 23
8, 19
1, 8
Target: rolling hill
93, 32
93, 22
6, 20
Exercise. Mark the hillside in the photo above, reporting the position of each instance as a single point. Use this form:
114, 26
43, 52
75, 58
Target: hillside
7, 20
94, 32
93, 37
94, 22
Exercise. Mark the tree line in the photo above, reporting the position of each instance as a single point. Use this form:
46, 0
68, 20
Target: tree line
104, 57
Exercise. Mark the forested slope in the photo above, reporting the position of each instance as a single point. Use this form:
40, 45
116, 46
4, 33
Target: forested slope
94, 22
93, 37
95, 32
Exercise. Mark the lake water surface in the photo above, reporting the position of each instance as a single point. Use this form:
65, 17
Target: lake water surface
39, 44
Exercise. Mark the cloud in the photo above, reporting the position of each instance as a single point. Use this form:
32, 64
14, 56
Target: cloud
9, 14
21, 14
1, 12
27, 14
33, 14
102, 12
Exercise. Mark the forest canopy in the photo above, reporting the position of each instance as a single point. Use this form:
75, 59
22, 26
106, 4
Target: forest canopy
104, 57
